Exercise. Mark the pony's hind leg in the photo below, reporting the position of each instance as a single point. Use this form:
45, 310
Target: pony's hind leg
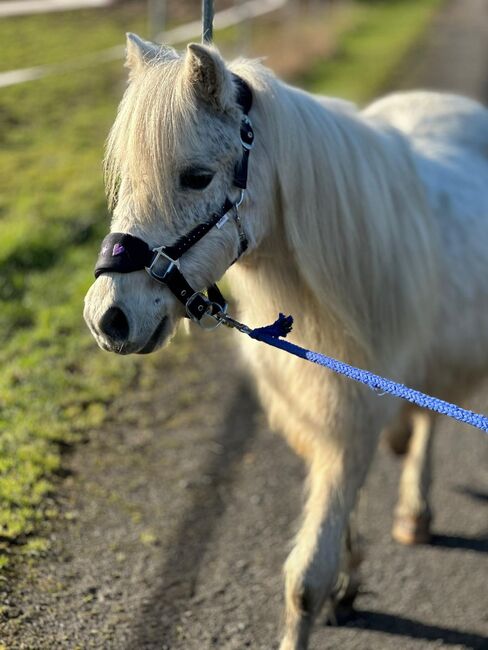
396, 436
313, 566
413, 514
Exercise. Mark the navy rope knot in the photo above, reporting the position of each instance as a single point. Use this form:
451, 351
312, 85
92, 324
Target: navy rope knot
279, 329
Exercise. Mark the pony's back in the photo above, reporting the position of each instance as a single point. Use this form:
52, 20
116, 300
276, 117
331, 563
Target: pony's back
449, 138
433, 116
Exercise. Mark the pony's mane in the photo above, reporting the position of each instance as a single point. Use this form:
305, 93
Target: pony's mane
354, 213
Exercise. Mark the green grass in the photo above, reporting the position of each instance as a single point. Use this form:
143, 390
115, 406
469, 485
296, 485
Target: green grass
369, 53
55, 383
56, 37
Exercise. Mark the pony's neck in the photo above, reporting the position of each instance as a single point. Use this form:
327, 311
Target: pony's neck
344, 235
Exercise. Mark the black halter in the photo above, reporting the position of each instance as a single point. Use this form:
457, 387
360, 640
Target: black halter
124, 253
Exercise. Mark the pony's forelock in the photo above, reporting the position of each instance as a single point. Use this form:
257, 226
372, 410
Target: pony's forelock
144, 138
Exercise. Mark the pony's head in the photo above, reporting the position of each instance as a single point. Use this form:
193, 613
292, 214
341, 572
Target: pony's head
170, 164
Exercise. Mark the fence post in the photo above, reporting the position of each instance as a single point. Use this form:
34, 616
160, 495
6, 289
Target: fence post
156, 17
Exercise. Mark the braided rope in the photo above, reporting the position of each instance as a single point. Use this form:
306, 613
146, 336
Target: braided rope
280, 328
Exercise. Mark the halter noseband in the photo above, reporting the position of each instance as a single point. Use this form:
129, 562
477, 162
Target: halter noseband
124, 253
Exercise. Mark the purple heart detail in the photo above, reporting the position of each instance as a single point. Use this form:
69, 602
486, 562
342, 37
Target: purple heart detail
118, 249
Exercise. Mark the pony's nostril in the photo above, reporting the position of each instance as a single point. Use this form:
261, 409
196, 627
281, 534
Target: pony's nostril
115, 325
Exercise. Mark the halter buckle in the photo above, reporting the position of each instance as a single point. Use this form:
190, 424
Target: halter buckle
159, 250
241, 233
212, 311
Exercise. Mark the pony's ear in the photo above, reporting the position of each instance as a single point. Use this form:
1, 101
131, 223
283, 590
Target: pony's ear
139, 52
206, 71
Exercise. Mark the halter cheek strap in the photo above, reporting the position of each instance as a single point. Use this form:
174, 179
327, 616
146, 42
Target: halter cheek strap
125, 253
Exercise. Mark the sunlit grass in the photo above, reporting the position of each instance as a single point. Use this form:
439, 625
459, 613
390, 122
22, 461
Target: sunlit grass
54, 383
57, 37
369, 53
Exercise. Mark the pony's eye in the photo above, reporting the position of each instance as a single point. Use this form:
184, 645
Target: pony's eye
195, 179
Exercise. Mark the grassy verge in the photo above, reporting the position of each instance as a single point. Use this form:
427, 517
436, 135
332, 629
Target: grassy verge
56, 37
381, 33
55, 384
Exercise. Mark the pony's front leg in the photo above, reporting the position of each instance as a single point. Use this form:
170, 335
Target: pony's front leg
348, 581
413, 514
337, 470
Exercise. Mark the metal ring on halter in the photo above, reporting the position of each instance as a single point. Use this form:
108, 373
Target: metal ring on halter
230, 322
241, 199
210, 306
248, 141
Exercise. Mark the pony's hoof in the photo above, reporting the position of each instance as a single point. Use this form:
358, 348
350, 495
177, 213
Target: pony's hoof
340, 607
410, 530
339, 614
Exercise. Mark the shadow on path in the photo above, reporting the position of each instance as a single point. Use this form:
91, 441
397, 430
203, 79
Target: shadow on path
477, 495
478, 544
176, 580
406, 627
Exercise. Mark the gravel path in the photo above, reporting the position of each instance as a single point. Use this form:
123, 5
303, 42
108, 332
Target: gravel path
178, 515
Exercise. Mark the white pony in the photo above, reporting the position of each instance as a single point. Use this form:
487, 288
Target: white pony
370, 227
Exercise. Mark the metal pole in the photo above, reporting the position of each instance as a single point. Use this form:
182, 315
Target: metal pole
156, 17
207, 26
243, 31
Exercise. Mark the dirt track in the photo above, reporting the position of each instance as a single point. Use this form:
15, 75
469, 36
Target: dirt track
179, 513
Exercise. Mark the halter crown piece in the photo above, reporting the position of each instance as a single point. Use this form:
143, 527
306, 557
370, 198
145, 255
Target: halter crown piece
124, 253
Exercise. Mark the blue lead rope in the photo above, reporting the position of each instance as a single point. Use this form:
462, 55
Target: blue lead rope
274, 334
